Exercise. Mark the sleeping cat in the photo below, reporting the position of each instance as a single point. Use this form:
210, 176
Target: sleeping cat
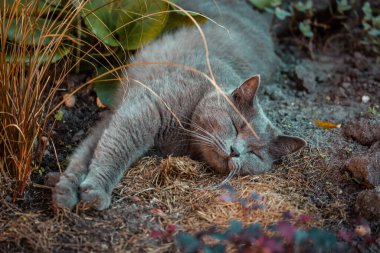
178, 111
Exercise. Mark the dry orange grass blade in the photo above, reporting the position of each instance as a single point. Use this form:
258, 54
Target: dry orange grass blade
28, 83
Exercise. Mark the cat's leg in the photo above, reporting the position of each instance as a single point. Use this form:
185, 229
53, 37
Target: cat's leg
65, 192
129, 136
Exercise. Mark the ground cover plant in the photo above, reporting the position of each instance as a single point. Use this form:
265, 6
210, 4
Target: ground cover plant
325, 199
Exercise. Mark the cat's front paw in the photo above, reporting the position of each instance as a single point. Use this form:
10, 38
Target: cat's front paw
65, 192
93, 193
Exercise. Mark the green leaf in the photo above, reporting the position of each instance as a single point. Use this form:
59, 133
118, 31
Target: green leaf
261, 4
149, 25
322, 240
37, 27
300, 237
59, 115
235, 228
374, 32
306, 29
106, 87
367, 11
59, 54
366, 26
125, 23
343, 6
179, 18
219, 248
41, 6
281, 14
187, 243
303, 7
376, 21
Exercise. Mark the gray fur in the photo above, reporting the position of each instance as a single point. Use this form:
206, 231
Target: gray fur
214, 132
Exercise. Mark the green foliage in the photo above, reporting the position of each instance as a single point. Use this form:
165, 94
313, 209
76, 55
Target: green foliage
262, 4
104, 32
128, 24
283, 236
343, 6
281, 14
305, 28
106, 86
373, 111
303, 7
303, 18
286, 235
59, 115
371, 23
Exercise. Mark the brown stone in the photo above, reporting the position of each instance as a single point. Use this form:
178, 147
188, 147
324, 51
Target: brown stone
364, 131
366, 167
368, 204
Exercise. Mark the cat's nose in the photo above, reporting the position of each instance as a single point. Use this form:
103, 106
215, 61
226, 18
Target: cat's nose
234, 152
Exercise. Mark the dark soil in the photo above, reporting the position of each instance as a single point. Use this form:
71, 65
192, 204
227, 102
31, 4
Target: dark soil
332, 87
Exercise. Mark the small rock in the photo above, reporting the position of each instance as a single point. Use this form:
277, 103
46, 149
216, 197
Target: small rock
362, 230
346, 85
342, 92
368, 205
305, 79
69, 100
364, 131
365, 99
365, 167
360, 61
276, 94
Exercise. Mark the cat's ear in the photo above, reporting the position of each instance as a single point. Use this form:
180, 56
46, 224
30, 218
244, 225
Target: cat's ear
285, 145
245, 93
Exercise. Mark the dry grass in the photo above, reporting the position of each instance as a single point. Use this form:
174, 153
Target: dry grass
157, 192
174, 183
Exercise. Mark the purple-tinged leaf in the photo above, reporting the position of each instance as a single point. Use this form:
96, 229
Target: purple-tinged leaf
244, 203
346, 235
286, 230
229, 188
287, 215
227, 197
255, 196
258, 207
156, 234
304, 218
272, 245
171, 228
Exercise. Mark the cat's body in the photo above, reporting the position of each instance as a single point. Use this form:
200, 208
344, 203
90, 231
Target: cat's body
176, 110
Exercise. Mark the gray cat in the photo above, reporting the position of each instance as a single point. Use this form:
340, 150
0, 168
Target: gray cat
176, 110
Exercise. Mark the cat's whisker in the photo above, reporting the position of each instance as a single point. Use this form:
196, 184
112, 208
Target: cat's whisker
216, 141
201, 136
230, 175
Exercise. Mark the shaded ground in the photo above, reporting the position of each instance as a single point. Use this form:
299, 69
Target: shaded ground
333, 179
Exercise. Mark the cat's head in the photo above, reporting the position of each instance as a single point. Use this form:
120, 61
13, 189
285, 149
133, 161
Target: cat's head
221, 137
